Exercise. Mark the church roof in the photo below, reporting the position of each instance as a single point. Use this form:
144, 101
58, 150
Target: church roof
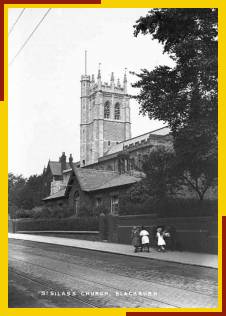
93, 180
120, 146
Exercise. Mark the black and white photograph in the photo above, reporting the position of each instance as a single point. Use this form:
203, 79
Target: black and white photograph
112, 157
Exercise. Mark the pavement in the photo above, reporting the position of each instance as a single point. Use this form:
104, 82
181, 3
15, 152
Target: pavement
183, 257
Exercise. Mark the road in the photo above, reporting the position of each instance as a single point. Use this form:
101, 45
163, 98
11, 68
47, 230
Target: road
45, 275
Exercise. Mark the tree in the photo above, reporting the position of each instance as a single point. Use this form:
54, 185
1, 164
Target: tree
15, 187
185, 96
24, 193
189, 90
196, 159
161, 179
32, 192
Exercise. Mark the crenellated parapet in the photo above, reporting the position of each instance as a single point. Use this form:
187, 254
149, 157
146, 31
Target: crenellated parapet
147, 140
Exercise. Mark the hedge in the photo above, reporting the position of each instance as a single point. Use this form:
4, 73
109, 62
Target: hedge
78, 223
41, 212
172, 208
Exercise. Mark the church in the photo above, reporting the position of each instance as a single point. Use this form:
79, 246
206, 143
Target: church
110, 159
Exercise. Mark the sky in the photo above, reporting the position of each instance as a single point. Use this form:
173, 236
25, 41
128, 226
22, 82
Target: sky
44, 79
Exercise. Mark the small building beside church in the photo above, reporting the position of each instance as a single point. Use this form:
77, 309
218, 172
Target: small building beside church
87, 189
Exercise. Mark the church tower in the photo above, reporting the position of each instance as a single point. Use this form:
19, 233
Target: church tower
105, 116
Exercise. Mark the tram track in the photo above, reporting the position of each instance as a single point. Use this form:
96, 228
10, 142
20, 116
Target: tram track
20, 275
124, 275
78, 269
102, 285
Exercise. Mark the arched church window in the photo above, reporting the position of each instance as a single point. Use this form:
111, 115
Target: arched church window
117, 111
107, 110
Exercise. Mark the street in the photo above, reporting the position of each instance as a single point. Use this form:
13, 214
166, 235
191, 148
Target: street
47, 275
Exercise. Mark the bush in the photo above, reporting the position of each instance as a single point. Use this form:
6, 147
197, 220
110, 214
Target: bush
20, 213
78, 223
100, 209
84, 211
187, 207
128, 207
45, 212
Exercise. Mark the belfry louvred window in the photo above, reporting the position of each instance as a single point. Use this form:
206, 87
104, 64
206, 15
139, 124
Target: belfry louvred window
107, 110
117, 111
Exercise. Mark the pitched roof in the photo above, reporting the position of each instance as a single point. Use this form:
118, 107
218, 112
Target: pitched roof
163, 131
55, 167
93, 180
120, 180
115, 148
57, 195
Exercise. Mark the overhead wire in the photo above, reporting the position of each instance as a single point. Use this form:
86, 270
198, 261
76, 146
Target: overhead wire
30, 36
16, 21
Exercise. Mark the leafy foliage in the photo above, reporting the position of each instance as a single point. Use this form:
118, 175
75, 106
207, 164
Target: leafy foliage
185, 96
188, 90
15, 188
24, 193
161, 180
196, 159
84, 223
44, 212
171, 207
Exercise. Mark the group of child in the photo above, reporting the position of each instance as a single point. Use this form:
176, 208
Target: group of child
141, 238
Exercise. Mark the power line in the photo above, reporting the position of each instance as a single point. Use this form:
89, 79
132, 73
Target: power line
14, 24
29, 37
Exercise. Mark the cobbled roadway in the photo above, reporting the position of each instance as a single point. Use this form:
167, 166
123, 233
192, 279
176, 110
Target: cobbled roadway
35, 269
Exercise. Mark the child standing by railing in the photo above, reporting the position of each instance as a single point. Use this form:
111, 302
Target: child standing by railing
160, 239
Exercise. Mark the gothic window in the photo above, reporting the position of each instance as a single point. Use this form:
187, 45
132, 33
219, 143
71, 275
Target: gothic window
107, 110
117, 111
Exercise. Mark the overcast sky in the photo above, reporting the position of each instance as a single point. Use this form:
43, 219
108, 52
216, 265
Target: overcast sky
44, 79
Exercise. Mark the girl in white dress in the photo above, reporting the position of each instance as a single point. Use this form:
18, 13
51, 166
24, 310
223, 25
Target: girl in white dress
161, 242
144, 234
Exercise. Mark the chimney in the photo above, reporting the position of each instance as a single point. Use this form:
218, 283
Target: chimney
71, 161
63, 162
